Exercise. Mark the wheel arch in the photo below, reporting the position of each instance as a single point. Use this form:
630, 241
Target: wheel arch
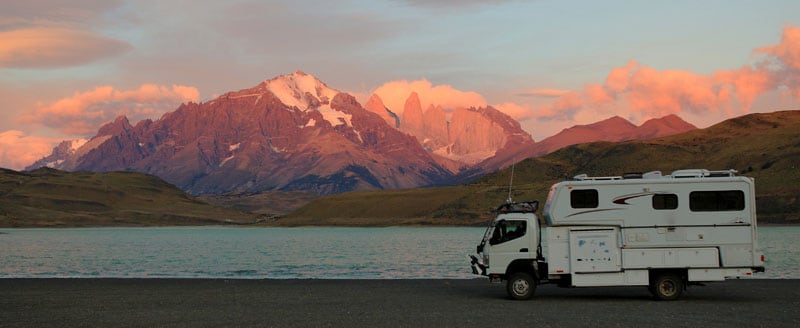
522, 265
683, 273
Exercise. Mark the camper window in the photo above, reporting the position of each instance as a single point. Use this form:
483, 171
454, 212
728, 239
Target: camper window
716, 201
586, 198
665, 202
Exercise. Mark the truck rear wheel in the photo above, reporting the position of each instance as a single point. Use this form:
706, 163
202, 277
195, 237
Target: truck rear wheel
667, 287
521, 286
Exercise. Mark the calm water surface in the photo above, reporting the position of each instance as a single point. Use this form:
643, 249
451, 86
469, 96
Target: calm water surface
323, 253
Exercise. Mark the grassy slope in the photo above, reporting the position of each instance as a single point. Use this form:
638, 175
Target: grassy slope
47, 197
763, 146
264, 204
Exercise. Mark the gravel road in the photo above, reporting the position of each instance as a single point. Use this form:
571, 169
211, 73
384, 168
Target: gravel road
393, 303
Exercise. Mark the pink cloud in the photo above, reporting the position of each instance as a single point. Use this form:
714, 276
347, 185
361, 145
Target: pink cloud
785, 59
544, 93
47, 47
516, 111
744, 84
788, 50
84, 112
640, 92
658, 93
395, 93
617, 79
18, 150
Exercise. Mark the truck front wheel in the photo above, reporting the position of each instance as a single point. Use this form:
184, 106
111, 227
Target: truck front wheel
521, 286
667, 287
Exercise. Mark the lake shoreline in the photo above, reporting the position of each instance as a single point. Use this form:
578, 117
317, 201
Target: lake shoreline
403, 302
262, 225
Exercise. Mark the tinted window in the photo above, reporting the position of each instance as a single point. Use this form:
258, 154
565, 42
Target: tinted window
507, 230
583, 198
713, 201
665, 202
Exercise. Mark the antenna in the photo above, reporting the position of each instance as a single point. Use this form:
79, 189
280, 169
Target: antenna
511, 181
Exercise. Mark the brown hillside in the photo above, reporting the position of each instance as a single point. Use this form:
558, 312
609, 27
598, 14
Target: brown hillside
52, 198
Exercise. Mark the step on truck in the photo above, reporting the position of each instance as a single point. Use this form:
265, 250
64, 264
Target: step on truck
664, 232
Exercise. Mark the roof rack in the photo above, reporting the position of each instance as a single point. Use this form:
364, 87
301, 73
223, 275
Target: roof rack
679, 174
703, 173
582, 177
520, 207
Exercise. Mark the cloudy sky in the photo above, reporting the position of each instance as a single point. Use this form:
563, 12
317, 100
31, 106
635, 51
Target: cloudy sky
68, 66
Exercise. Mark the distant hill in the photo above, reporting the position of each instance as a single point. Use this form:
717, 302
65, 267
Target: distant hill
613, 129
763, 146
52, 198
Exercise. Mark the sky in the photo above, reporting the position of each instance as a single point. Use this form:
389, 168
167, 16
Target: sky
68, 66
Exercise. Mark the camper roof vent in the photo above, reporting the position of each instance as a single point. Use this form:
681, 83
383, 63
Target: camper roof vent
652, 175
632, 175
723, 173
580, 177
693, 173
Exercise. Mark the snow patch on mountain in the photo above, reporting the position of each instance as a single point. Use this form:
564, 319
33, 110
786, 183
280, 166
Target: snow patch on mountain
77, 143
335, 117
221, 164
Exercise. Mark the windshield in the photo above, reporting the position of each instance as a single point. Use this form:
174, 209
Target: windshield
506, 230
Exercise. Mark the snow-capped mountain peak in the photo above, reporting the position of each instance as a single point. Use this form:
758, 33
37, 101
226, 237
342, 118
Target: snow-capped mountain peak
301, 90
306, 92
274, 136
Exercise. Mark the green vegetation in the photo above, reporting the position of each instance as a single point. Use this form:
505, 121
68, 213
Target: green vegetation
763, 146
51, 198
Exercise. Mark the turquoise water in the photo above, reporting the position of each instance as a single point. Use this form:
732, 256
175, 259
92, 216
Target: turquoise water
322, 253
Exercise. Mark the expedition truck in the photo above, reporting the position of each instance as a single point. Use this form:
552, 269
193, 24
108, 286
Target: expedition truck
663, 232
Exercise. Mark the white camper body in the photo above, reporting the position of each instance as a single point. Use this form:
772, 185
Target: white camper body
664, 232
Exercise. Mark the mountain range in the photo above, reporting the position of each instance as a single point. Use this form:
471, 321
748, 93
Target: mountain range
293, 132
763, 146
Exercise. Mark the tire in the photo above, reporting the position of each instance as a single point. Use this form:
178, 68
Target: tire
667, 287
521, 286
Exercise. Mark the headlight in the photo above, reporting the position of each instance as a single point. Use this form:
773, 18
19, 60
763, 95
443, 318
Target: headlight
486, 260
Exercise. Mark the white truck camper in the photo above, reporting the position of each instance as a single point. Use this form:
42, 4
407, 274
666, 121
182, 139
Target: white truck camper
663, 232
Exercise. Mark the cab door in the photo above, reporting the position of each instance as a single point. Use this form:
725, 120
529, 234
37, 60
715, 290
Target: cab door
512, 239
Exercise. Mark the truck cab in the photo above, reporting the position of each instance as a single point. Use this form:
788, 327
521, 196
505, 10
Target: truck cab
511, 245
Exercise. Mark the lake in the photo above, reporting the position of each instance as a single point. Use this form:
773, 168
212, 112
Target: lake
284, 253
